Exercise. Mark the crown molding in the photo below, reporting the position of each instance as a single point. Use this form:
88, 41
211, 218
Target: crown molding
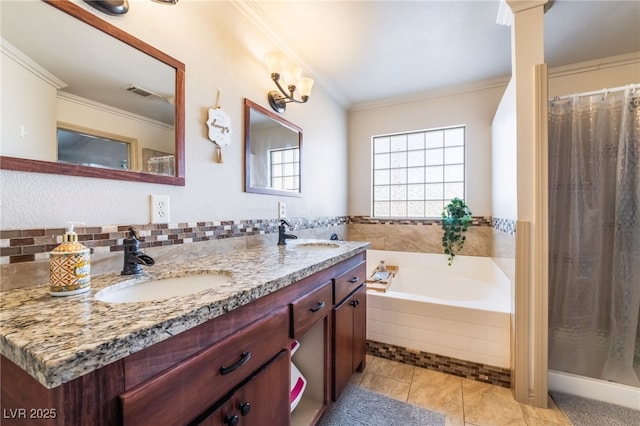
594, 65
435, 93
94, 105
30, 65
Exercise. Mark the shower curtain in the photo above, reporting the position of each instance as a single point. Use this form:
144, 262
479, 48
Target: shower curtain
594, 236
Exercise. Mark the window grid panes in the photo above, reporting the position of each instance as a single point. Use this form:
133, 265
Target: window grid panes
416, 174
284, 165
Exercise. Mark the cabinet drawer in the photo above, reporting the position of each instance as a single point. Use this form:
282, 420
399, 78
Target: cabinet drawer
260, 400
349, 281
183, 392
310, 308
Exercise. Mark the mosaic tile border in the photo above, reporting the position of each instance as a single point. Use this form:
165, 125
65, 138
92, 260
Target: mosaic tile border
29, 245
444, 364
507, 226
367, 220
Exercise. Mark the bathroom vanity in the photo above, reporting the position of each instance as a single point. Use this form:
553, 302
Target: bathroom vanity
220, 356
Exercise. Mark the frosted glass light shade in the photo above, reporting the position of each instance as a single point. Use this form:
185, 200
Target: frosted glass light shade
273, 63
304, 86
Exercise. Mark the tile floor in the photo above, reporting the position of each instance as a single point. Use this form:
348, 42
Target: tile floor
463, 402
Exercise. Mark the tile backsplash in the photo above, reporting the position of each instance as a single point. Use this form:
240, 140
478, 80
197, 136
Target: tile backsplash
24, 253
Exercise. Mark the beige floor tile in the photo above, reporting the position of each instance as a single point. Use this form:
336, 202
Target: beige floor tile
356, 378
392, 369
490, 405
438, 392
541, 416
386, 386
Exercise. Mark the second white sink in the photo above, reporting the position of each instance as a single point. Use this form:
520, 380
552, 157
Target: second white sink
314, 246
163, 288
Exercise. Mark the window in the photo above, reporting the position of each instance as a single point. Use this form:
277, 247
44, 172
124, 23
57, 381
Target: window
285, 169
416, 174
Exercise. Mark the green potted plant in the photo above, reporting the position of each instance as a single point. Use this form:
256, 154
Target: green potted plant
456, 219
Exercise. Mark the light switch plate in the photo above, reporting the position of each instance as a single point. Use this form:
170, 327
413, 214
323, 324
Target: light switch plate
159, 209
282, 210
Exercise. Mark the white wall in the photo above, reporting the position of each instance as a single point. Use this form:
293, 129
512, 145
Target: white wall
33, 128
474, 108
503, 154
221, 50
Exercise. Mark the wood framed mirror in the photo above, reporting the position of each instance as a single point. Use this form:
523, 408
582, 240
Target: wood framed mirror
64, 65
273, 153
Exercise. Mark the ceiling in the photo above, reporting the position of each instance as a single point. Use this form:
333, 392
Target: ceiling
366, 52
363, 52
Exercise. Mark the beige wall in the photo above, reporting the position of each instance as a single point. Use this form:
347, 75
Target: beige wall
221, 50
473, 108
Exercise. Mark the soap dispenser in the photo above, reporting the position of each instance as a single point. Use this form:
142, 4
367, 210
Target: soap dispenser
70, 266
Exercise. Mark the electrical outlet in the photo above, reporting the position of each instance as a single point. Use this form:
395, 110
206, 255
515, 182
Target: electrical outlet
159, 209
282, 210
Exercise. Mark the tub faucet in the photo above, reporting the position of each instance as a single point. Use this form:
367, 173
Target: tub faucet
133, 257
282, 237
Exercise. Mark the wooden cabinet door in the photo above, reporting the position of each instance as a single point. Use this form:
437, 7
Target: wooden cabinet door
262, 400
360, 329
342, 345
350, 339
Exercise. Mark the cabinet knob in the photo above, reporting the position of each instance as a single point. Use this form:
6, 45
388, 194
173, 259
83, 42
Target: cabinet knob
244, 408
354, 280
355, 303
231, 420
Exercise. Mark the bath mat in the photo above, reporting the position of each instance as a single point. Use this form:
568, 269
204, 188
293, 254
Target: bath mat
588, 412
361, 407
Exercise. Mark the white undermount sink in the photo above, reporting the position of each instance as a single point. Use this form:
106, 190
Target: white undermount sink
314, 246
162, 288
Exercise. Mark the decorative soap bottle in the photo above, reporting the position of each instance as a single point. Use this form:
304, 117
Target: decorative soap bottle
70, 266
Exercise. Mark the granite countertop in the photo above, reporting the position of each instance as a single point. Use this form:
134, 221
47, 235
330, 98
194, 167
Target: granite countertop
58, 339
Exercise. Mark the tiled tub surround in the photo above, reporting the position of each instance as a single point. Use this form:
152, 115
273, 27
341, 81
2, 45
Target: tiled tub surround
460, 311
478, 334
57, 339
444, 364
418, 235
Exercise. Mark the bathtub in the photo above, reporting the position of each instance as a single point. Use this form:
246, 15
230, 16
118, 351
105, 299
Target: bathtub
460, 311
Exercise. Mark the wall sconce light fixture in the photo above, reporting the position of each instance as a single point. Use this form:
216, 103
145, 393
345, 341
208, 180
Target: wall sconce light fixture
281, 74
118, 7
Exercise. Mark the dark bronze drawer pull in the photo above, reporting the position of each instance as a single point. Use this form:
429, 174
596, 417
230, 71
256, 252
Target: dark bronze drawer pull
246, 356
317, 308
354, 280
